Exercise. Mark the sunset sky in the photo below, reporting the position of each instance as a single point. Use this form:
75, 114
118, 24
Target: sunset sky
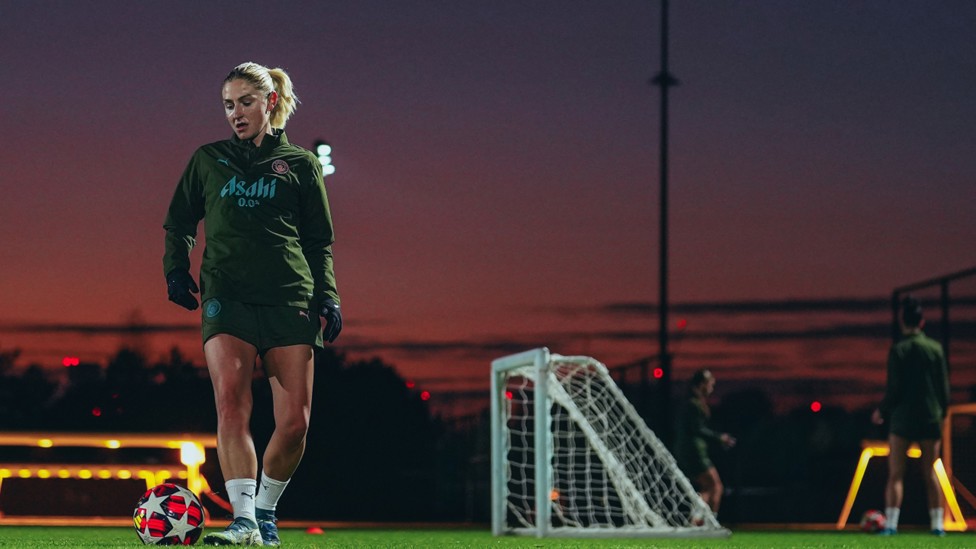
497, 161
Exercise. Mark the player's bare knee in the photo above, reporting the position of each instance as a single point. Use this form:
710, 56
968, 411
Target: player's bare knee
293, 431
233, 415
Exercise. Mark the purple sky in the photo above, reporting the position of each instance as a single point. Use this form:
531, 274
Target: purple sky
497, 161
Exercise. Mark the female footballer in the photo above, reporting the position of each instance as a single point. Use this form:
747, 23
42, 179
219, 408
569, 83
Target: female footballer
915, 404
266, 278
692, 438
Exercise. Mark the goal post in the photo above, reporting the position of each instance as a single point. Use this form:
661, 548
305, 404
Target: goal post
571, 457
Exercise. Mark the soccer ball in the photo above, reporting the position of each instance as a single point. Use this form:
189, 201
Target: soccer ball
873, 521
168, 515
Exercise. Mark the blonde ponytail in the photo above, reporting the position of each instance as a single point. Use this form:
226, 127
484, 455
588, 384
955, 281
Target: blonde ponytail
287, 100
267, 80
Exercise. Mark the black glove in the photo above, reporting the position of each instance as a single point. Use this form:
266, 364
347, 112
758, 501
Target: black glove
179, 284
333, 320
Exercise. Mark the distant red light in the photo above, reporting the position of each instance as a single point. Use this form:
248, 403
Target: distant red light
70, 361
96, 411
815, 406
410, 384
508, 395
682, 323
658, 373
424, 395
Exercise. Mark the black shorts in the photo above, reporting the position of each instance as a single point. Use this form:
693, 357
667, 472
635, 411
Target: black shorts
264, 326
694, 461
917, 431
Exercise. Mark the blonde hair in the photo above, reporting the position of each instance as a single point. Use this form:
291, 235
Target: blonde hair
268, 80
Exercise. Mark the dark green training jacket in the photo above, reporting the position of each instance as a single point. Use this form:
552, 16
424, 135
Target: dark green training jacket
267, 222
917, 392
693, 436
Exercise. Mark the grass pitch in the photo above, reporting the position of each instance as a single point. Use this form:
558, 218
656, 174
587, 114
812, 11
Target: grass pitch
62, 537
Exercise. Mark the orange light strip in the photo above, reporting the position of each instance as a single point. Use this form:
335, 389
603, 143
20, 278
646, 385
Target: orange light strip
152, 476
107, 440
954, 521
192, 447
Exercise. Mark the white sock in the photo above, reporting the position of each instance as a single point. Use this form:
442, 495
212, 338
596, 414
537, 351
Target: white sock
891, 517
241, 491
270, 493
936, 517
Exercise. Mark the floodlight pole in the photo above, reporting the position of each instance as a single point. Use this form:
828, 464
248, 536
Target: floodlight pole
664, 80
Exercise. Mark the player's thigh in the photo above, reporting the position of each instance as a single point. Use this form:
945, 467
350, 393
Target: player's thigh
290, 372
897, 455
930, 451
716, 480
230, 361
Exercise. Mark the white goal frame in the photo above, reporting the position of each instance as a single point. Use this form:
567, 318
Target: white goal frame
639, 511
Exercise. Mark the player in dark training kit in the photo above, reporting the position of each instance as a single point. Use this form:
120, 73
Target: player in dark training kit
266, 281
915, 404
693, 437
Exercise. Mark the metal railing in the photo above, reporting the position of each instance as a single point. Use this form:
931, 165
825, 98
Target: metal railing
945, 300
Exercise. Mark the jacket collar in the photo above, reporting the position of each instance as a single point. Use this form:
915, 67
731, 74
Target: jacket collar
270, 141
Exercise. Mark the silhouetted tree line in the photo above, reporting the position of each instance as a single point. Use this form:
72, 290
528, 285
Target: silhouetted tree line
376, 453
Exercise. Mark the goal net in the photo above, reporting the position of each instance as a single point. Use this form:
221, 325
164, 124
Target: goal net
571, 457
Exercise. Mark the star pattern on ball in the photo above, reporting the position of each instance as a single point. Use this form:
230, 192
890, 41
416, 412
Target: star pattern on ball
181, 527
154, 505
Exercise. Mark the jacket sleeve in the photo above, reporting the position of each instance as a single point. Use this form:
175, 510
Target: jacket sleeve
699, 424
186, 209
706, 432
316, 234
893, 386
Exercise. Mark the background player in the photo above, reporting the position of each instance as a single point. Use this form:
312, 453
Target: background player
915, 403
693, 436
